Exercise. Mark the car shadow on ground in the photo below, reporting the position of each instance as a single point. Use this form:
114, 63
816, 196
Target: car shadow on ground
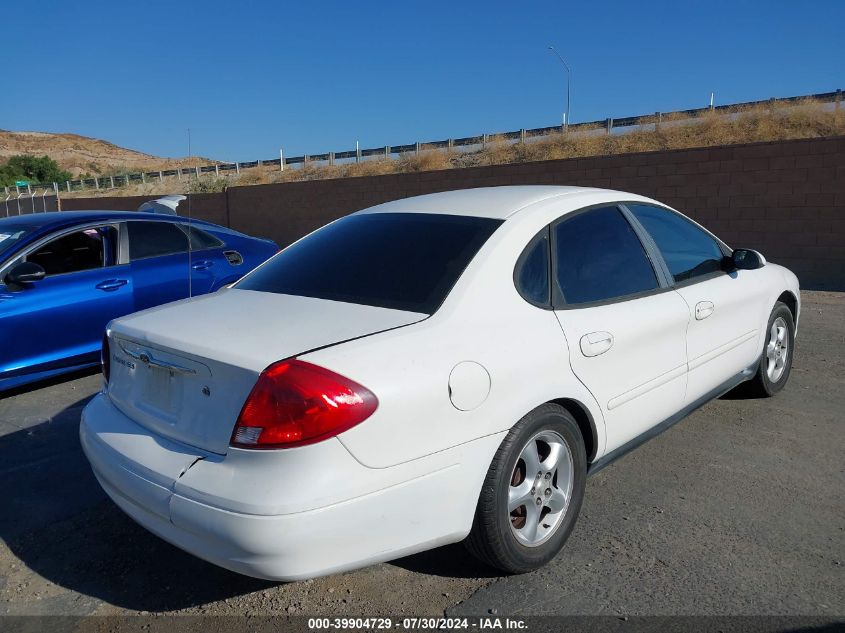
743, 391
62, 526
450, 561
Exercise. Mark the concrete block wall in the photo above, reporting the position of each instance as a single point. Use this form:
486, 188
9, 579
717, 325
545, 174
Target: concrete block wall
785, 199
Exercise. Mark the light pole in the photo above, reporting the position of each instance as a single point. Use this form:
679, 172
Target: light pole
568, 82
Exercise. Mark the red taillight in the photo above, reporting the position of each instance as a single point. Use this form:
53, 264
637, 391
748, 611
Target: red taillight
105, 357
296, 403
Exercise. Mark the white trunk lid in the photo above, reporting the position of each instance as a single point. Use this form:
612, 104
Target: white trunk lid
185, 369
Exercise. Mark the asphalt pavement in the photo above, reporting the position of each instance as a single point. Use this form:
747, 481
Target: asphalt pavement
739, 509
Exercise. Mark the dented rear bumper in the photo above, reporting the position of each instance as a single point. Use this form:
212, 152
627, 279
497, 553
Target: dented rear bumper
304, 513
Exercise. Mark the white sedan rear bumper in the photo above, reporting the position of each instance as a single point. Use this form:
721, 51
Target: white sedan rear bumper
283, 515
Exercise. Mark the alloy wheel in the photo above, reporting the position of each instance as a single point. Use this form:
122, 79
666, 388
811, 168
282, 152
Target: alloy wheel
777, 350
540, 488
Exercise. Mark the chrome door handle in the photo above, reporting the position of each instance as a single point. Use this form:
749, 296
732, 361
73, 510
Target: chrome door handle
703, 309
596, 343
203, 264
111, 284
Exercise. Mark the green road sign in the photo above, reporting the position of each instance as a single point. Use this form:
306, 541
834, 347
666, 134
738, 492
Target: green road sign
21, 183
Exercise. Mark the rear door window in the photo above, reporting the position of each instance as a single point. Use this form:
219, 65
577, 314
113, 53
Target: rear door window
154, 239
598, 257
404, 261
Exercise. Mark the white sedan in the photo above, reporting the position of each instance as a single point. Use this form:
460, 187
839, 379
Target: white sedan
441, 368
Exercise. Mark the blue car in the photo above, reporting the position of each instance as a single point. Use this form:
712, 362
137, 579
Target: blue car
64, 276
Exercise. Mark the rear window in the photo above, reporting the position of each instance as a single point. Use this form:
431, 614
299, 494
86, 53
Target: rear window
404, 261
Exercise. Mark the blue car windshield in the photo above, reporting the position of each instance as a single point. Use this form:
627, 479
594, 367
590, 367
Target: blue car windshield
13, 231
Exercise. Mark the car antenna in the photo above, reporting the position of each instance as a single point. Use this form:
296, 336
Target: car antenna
190, 276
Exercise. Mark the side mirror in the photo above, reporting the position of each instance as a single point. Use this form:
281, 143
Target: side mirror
25, 272
747, 259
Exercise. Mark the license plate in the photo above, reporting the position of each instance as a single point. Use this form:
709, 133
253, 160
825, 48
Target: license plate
161, 390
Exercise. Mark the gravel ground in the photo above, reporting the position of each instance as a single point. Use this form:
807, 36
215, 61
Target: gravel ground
740, 509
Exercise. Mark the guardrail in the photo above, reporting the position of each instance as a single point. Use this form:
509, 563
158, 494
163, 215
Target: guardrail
607, 126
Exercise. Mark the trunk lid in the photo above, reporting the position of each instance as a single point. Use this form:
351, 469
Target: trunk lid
184, 370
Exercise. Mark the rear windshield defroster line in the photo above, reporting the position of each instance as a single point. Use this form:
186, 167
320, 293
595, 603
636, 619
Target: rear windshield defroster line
403, 261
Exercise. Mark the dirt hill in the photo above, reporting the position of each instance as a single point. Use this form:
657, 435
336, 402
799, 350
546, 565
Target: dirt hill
83, 155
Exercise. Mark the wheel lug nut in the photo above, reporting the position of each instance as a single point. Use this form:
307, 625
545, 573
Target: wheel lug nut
548, 491
548, 475
539, 501
533, 490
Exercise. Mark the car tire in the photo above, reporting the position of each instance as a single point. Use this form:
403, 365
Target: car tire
776, 357
521, 538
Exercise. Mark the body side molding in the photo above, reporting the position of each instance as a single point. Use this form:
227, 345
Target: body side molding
671, 421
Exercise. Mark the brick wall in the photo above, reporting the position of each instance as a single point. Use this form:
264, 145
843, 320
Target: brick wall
204, 206
785, 199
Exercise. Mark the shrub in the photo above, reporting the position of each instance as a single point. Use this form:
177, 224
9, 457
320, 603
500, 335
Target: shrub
208, 184
33, 168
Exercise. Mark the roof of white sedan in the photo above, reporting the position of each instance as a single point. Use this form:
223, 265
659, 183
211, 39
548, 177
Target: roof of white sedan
486, 202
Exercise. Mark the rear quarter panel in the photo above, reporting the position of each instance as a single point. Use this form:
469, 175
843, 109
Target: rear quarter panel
408, 369
254, 251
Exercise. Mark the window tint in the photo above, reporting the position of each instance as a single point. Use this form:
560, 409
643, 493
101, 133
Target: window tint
152, 239
406, 261
200, 239
688, 250
599, 257
82, 250
532, 271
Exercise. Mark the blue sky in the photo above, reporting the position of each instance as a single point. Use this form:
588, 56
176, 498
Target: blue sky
250, 77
